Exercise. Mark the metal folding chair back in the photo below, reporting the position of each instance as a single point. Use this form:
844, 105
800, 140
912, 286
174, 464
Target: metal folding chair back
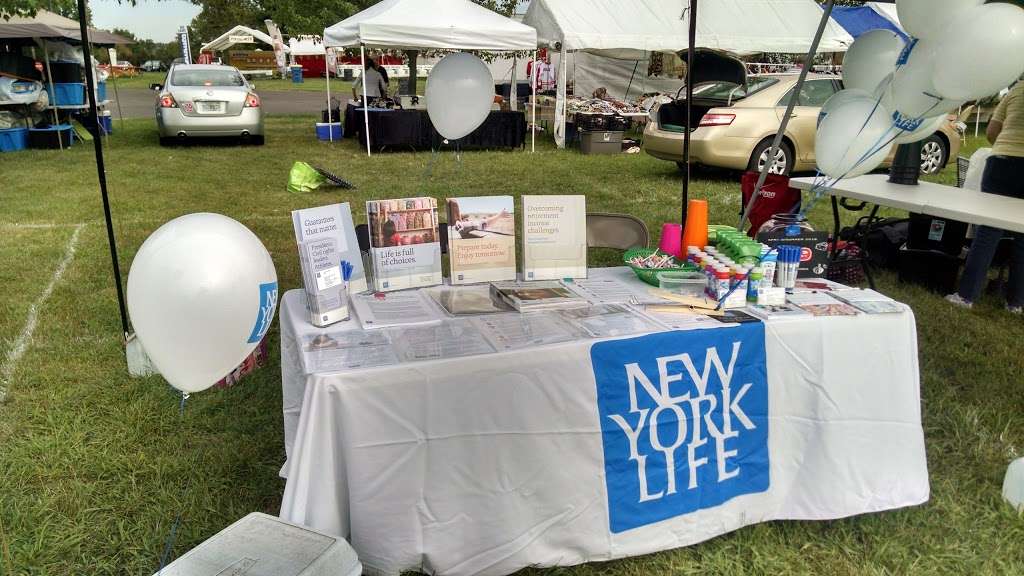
618, 231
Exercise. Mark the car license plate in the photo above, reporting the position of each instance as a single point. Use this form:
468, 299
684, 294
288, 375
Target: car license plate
210, 107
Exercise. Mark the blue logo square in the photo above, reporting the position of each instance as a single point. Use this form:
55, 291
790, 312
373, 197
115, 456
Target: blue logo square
684, 421
265, 315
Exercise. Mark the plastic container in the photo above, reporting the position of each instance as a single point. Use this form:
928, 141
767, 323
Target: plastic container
296, 74
263, 545
685, 283
601, 142
50, 137
754, 284
788, 224
71, 94
101, 91
325, 130
13, 139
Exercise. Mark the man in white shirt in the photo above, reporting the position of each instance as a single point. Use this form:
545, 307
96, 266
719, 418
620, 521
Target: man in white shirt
375, 85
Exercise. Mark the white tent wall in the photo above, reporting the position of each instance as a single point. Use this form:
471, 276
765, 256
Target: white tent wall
593, 71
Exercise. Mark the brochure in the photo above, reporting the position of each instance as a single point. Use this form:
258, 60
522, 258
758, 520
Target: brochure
680, 317
450, 339
821, 304
347, 350
869, 301
404, 247
614, 291
531, 296
325, 237
468, 300
384, 309
514, 331
481, 239
609, 320
554, 237
777, 312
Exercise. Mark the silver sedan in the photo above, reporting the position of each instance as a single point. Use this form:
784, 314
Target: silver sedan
207, 100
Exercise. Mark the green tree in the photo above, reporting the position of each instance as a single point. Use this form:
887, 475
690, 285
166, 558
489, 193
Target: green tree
66, 8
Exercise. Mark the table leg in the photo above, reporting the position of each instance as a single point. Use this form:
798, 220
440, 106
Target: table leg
864, 263
835, 228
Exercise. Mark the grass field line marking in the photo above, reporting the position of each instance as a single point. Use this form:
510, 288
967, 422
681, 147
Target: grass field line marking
25, 337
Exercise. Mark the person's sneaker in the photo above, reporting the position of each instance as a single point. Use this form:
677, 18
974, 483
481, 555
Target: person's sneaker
1018, 310
959, 300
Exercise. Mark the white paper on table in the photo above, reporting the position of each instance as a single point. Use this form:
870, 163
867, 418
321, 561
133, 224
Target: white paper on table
613, 291
348, 349
609, 320
513, 331
383, 310
449, 339
685, 321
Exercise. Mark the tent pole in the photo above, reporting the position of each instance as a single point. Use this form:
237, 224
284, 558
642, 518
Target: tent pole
777, 143
513, 88
533, 82
366, 101
690, 51
561, 89
53, 94
330, 115
630, 84
100, 169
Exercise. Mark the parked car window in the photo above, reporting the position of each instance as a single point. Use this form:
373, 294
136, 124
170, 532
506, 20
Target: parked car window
729, 90
814, 93
207, 78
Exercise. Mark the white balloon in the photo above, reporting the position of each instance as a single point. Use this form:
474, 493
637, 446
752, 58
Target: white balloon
911, 95
927, 18
840, 98
202, 291
854, 138
871, 58
928, 127
460, 92
982, 54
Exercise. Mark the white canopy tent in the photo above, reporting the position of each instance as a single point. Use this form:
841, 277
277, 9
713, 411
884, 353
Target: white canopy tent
630, 29
436, 24
227, 39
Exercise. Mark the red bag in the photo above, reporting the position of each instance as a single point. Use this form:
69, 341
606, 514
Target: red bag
776, 197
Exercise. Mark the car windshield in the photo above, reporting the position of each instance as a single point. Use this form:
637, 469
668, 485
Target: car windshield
207, 78
731, 91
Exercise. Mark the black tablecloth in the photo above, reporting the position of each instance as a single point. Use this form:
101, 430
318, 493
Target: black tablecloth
412, 130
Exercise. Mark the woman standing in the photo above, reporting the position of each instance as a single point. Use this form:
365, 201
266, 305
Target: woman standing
1004, 175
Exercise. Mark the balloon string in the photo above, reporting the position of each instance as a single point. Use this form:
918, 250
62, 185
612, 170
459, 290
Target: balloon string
173, 536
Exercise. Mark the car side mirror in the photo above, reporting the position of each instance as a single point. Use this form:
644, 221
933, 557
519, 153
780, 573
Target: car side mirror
156, 87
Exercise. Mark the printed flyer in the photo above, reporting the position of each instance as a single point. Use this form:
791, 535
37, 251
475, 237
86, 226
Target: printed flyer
481, 239
554, 237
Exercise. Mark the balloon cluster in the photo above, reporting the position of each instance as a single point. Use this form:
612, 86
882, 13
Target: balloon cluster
900, 92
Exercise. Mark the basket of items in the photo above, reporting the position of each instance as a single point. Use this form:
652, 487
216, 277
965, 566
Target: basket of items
647, 264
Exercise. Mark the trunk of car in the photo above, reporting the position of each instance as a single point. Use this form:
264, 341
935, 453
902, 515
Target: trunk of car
672, 115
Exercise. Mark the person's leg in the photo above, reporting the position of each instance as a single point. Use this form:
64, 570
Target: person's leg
983, 249
1015, 289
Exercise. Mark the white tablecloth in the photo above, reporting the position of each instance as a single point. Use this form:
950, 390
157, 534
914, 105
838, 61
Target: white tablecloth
488, 464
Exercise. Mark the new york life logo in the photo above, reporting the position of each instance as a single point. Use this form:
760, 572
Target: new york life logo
684, 420
265, 316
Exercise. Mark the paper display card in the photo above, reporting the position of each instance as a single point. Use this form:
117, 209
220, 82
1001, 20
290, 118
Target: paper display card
788, 311
450, 339
554, 237
514, 331
325, 237
531, 296
680, 317
609, 320
404, 247
347, 350
869, 301
468, 300
481, 239
614, 291
821, 304
385, 309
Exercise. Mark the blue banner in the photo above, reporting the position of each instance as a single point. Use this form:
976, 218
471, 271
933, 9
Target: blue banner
684, 420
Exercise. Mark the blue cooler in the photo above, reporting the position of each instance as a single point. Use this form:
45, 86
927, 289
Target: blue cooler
101, 91
326, 131
67, 94
13, 139
107, 123
297, 74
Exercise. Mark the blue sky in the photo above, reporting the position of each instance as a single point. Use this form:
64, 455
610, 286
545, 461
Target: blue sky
147, 19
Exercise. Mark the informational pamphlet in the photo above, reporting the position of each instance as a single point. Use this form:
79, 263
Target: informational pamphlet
385, 309
821, 304
609, 320
481, 239
404, 247
680, 317
869, 301
349, 349
325, 237
450, 339
613, 291
514, 331
532, 296
554, 237
785, 311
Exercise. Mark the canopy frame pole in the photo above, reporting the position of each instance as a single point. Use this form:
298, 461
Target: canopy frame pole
777, 143
53, 93
625, 97
513, 89
533, 82
690, 54
561, 90
366, 101
90, 84
330, 112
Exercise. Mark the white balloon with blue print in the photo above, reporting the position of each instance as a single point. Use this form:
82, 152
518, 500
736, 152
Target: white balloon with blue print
202, 292
911, 94
854, 138
927, 18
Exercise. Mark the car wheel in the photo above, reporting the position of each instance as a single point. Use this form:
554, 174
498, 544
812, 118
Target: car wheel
933, 155
783, 163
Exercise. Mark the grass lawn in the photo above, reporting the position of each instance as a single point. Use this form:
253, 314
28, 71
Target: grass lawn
94, 465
